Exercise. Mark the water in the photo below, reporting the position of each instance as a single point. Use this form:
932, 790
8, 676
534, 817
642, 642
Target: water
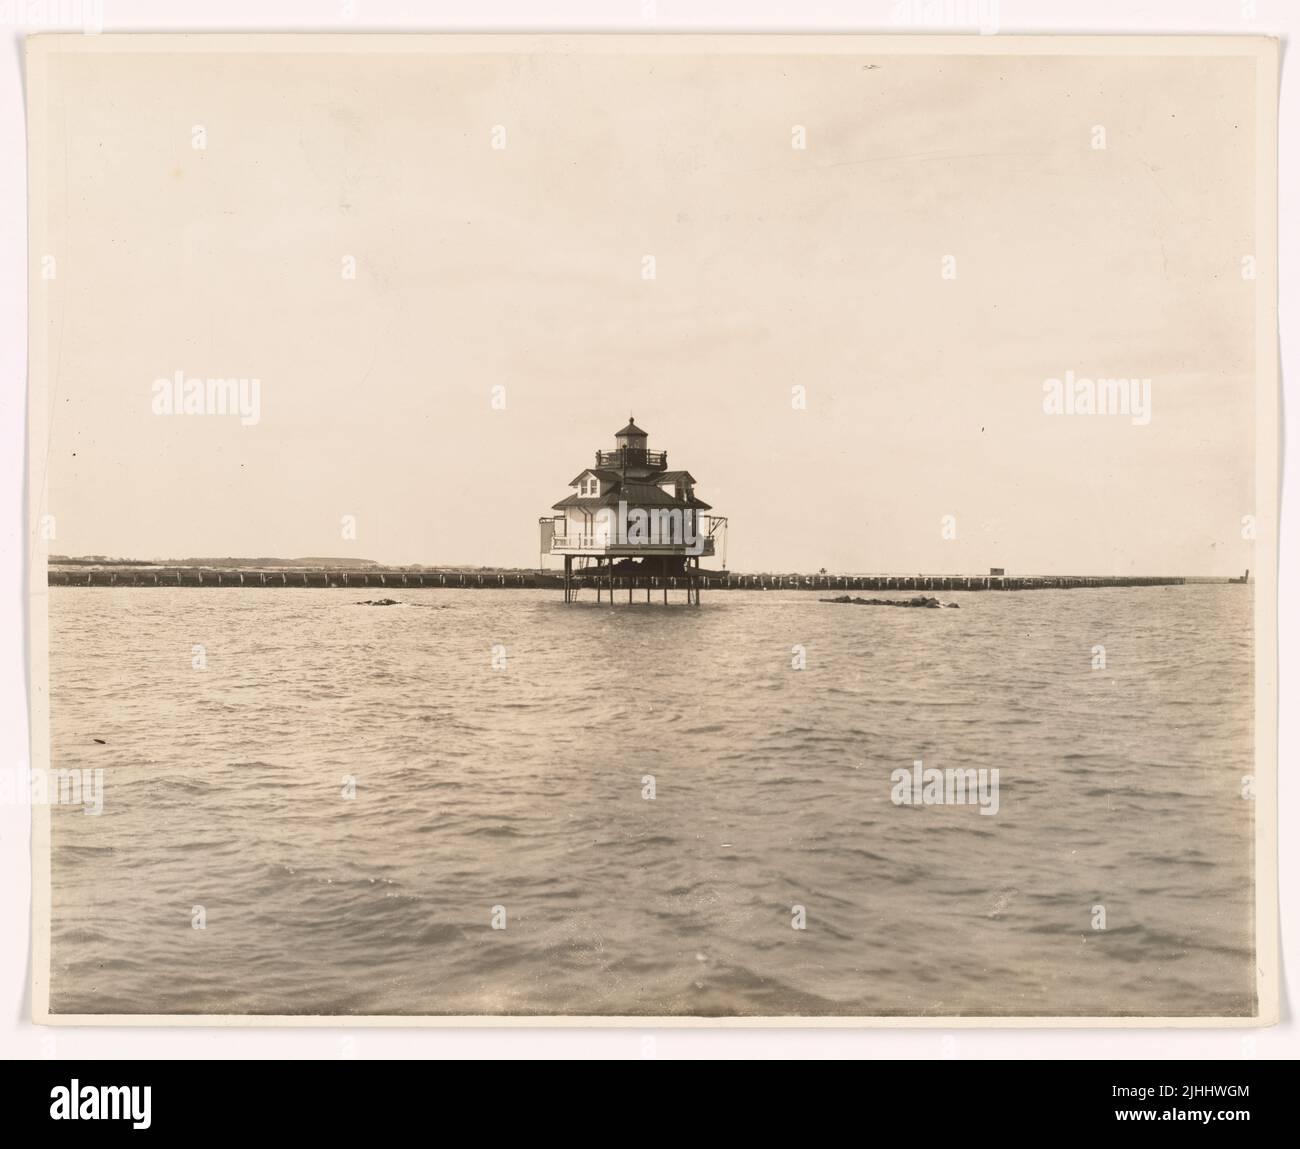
522, 787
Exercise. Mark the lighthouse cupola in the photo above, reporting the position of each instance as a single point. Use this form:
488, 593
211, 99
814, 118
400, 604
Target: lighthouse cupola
631, 436
630, 450
630, 444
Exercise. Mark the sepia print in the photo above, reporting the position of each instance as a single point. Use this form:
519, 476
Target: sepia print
686, 528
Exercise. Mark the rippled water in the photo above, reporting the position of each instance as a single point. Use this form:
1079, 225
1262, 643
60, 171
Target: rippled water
522, 787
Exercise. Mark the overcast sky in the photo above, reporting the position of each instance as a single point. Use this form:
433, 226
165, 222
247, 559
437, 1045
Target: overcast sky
774, 267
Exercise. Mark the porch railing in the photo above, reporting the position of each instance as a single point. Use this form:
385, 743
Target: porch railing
603, 543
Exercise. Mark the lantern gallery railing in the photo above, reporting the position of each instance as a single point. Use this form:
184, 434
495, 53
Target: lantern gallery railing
632, 457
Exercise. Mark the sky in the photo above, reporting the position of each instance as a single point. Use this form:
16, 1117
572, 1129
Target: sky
950, 238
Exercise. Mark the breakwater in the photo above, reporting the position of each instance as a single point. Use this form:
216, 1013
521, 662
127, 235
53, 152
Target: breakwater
396, 579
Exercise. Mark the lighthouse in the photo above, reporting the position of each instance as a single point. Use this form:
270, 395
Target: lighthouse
628, 521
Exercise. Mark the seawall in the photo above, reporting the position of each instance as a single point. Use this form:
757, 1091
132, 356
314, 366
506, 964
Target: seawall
397, 579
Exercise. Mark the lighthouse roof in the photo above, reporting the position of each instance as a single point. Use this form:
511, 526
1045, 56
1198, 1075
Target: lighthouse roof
633, 475
584, 502
602, 473
634, 494
606, 475
642, 495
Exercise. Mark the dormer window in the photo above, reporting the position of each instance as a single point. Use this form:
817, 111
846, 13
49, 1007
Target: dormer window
589, 488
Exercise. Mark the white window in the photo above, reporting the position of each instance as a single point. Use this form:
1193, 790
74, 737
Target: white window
589, 488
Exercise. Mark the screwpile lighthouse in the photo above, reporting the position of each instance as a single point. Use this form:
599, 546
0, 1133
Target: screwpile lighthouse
631, 522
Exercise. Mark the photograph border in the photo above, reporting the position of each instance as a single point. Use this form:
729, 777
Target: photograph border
1263, 49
